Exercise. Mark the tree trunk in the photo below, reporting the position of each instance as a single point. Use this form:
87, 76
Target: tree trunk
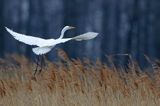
1, 31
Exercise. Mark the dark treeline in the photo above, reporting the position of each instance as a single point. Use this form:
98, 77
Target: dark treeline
124, 26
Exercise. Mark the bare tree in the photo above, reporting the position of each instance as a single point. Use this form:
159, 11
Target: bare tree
1, 31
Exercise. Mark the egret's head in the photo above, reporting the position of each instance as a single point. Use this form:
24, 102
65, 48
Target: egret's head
69, 27
64, 30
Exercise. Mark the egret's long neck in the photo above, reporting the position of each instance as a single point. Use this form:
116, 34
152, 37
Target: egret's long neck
62, 32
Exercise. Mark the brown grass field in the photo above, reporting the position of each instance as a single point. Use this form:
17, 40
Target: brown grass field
76, 83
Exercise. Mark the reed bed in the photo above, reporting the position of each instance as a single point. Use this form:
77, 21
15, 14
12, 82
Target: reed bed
75, 82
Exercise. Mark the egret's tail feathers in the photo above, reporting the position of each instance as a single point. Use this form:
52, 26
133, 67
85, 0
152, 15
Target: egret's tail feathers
86, 36
41, 50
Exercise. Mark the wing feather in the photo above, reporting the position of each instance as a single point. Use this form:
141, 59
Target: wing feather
85, 36
30, 40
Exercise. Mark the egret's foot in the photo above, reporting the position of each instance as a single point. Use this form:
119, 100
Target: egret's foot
40, 70
35, 71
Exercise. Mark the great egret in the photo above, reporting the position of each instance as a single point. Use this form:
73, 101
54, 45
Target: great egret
46, 45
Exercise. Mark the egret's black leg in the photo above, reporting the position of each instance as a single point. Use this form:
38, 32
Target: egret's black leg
37, 64
42, 63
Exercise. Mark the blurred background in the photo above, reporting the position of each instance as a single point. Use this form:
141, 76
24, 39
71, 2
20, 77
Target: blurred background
124, 26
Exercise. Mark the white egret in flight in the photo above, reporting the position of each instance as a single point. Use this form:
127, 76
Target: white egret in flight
46, 45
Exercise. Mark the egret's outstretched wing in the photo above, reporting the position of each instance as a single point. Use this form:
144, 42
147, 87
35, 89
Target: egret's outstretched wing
49, 45
30, 40
85, 36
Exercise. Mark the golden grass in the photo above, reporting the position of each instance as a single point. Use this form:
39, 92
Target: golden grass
75, 83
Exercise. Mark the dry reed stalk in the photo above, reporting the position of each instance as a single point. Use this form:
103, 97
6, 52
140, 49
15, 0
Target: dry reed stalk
77, 82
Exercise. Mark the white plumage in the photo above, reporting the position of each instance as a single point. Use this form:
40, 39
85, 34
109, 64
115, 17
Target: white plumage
41, 50
85, 36
46, 45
